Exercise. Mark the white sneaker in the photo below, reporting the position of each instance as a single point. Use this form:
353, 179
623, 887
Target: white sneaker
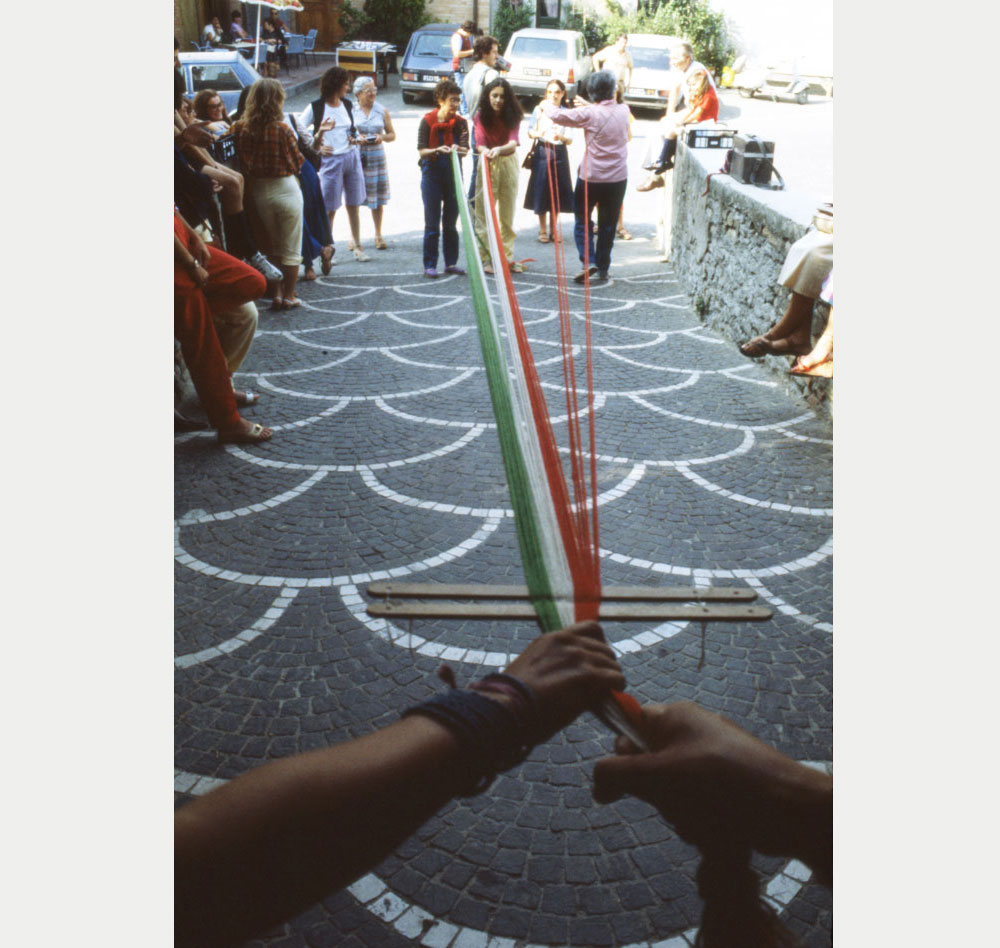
264, 267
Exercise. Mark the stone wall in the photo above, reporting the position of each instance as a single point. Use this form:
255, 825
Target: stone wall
727, 248
457, 11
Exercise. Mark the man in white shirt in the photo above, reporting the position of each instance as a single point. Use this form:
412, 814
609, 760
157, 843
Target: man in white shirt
682, 66
485, 51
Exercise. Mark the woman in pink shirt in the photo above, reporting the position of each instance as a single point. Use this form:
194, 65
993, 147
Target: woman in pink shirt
495, 129
603, 173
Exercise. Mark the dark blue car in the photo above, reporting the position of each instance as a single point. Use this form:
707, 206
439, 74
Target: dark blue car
427, 60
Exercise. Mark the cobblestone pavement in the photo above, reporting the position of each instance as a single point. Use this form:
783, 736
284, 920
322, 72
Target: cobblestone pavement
385, 463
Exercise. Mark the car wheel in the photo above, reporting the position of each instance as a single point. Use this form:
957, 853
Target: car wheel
802, 98
409, 98
747, 93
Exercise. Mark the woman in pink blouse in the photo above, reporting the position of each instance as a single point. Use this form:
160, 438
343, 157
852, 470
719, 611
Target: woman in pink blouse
603, 173
495, 130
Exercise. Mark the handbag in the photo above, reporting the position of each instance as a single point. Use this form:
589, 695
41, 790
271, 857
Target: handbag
308, 151
529, 158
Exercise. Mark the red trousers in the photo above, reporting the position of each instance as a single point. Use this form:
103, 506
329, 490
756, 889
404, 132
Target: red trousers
230, 283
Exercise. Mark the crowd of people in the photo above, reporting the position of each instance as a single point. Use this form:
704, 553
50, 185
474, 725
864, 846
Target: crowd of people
278, 211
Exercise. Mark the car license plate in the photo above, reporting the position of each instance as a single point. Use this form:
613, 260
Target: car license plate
532, 71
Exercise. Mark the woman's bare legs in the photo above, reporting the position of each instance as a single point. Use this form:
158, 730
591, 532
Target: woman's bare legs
822, 352
790, 335
377, 221
291, 277
354, 219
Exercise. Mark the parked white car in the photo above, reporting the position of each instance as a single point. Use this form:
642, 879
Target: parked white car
650, 84
538, 56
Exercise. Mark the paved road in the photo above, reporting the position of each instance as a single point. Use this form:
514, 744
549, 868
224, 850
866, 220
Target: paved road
385, 462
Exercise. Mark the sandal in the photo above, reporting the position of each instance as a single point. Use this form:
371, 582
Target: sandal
243, 399
760, 346
255, 434
291, 304
624, 234
380, 244
516, 267
326, 262
544, 238
822, 370
488, 268
360, 255
310, 274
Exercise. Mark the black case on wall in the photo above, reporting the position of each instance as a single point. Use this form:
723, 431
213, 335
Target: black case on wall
752, 160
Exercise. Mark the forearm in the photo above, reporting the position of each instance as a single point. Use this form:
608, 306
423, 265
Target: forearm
280, 838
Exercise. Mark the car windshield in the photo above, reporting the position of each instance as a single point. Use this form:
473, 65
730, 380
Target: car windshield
538, 47
436, 45
646, 58
212, 76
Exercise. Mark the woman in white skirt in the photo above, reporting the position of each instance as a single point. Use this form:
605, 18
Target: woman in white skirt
270, 159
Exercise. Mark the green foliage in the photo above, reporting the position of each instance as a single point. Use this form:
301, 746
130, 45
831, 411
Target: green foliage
509, 19
391, 21
591, 27
352, 20
693, 20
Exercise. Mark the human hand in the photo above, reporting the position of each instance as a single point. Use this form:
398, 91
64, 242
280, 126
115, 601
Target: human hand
325, 150
216, 186
196, 134
462, 152
569, 671
720, 786
198, 249
200, 275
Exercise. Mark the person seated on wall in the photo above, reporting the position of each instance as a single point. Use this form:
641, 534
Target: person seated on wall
208, 282
807, 265
703, 107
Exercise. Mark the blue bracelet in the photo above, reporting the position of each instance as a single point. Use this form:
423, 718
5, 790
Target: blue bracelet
492, 735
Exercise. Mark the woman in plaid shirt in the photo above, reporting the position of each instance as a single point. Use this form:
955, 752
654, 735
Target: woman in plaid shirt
270, 159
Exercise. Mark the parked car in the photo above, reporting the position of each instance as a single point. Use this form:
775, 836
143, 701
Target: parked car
650, 84
427, 60
224, 70
537, 56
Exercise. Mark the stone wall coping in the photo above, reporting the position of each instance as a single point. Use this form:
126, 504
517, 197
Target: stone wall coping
797, 206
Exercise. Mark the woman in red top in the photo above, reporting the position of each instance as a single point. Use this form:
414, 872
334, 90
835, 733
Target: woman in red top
703, 107
495, 130
270, 158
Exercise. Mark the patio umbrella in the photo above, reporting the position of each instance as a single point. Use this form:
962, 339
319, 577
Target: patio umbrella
274, 5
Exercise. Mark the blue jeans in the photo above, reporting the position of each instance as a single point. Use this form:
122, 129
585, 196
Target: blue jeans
440, 212
608, 197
